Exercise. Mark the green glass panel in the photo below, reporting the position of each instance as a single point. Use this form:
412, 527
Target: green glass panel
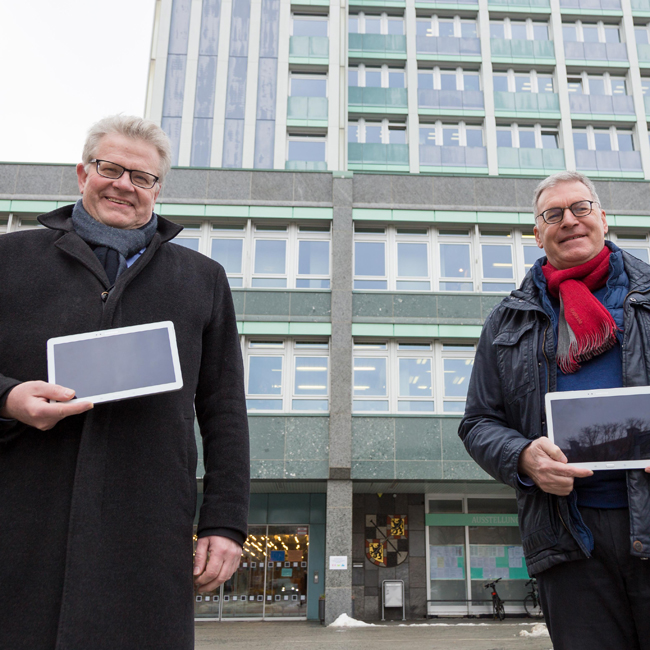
507, 157
299, 46
355, 152
504, 101
396, 97
319, 46
373, 42
540, 3
374, 153
548, 102
355, 41
500, 47
553, 159
526, 101
317, 108
355, 96
395, 43
646, 101
644, 52
543, 49
297, 108
397, 154
374, 97
521, 48
531, 159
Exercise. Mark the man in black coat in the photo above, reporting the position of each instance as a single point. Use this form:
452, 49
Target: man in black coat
97, 504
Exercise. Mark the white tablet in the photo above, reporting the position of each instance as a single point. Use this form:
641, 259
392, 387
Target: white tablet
118, 363
601, 429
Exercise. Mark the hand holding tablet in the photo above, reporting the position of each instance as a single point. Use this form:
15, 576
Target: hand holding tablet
116, 364
41, 405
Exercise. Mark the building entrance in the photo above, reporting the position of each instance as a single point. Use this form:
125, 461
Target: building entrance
271, 581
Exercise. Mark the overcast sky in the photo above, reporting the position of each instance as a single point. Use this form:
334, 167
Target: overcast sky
64, 64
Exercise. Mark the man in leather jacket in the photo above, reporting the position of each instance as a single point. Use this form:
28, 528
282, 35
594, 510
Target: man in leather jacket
585, 535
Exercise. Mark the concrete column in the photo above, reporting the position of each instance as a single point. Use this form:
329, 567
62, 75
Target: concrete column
566, 128
413, 118
251, 84
337, 102
338, 583
490, 129
340, 449
189, 95
635, 83
219, 116
280, 153
158, 64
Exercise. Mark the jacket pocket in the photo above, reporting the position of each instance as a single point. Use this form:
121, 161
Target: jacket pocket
538, 523
516, 360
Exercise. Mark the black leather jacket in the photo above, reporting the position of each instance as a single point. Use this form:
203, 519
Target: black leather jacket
513, 369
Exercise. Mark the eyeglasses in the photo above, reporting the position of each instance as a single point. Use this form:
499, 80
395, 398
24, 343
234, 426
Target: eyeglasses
578, 209
112, 170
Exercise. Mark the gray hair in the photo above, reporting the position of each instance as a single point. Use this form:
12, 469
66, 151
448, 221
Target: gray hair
563, 177
134, 127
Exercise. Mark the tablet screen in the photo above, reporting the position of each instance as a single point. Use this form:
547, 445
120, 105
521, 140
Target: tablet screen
602, 429
114, 364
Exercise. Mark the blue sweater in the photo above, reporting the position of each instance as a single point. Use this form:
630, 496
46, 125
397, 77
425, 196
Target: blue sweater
606, 488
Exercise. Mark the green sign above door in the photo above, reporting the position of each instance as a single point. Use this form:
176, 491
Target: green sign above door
459, 519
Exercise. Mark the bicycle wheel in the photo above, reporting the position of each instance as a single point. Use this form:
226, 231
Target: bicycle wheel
533, 607
500, 611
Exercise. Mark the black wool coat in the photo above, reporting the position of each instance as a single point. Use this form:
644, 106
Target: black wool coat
96, 514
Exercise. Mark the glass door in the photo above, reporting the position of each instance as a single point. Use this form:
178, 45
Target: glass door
286, 575
270, 582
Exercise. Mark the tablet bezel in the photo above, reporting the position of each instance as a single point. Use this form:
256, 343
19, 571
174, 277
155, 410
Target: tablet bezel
123, 394
596, 393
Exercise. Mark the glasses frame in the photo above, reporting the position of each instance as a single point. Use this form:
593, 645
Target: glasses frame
124, 169
568, 207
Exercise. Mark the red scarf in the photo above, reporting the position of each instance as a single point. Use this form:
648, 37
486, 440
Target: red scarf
586, 328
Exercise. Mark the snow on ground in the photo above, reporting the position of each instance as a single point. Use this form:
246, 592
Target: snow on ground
346, 621
537, 630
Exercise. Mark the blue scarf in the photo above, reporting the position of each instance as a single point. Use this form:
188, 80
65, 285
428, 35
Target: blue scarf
105, 239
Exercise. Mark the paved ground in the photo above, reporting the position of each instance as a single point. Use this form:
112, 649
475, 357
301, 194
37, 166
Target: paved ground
455, 634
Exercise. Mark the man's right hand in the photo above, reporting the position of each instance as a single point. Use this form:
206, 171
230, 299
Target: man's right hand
29, 403
546, 464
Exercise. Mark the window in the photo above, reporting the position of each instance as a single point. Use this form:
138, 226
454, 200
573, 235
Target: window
611, 139
451, 135
641, 34
306, 25
634, 243
410, 258
376, 77
519, 30
527, 137
446, 27
449, 79
591, 32
383, 132
308, 148
286, 375
265, 254
589, 84
308, 85
523, 82
363, 23
411, 376
4, 224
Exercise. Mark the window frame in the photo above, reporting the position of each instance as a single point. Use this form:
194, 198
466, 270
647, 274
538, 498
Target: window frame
436, 354
289, 353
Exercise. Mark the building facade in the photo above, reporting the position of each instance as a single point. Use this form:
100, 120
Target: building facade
360, 298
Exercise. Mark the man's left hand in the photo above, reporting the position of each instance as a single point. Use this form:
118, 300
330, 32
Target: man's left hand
215, 560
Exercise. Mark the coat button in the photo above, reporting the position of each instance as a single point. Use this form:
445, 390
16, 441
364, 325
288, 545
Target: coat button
637, 546
632, 299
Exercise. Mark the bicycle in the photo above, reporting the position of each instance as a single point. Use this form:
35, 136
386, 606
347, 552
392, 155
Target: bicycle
498, 610
532, 604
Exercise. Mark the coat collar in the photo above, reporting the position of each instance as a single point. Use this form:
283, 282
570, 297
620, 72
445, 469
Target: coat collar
61, 219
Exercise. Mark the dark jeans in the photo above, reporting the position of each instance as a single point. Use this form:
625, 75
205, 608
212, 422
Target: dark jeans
602, 603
